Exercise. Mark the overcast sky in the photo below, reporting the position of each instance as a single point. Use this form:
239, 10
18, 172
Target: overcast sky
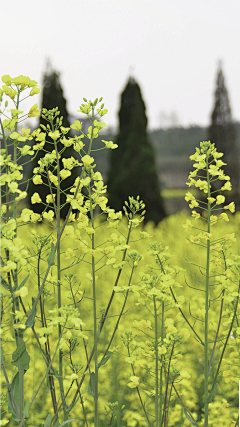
171, 47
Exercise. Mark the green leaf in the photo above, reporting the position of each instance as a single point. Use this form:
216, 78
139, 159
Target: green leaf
21, 357
105, 359
2, 356
15, 391
51, 255
21, 285
212, 394
90, 390
4, 283
190, 419
30, 321
69, 408
66, 422
51, 371
48, 421
56, 422
54, 372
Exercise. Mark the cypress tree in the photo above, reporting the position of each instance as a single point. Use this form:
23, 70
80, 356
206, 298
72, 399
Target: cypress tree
223, 133
52, 97
132, 165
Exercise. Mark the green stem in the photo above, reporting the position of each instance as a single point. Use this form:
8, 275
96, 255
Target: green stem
228, 335
95, 327
119, 317
47, 372
156, 361
165, 411
65, 414
139, 395
206, 404
161, 371
101, 327
19, 331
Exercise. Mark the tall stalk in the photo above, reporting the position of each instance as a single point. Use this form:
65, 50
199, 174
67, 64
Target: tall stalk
58, 209
161, 371
156, 363
17, 306
206, 309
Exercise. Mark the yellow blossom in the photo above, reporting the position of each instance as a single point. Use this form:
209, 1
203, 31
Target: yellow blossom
77, 125
134, 382
25, 215
227, 186
201, 184
229, 237
48, 215
37, 180
36, 217
194, 204
225, 404
195, 215
34, 112
220, 200
228, 376
89, 230
162, 350
34, 91
87, 160
213, 219
53, 179
65, 173
211, 199
54, 135
189, 196
231, 207
7, 79
110, 144
50, 198
22, 292
224, 216
97, 176
21, 196
35, 198
110, 261
217, 247
86, 181
68, 163
188, 224
82, 220
10, 265
72, 217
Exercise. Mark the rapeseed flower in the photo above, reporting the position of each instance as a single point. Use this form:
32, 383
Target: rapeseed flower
36, 198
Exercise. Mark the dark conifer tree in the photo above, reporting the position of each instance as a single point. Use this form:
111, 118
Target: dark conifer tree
132, 165
223, 133
52, 97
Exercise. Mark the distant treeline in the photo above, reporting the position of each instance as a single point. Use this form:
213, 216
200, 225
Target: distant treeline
172, 149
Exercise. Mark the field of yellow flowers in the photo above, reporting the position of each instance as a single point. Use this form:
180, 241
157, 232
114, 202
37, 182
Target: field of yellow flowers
115, 378
104, 321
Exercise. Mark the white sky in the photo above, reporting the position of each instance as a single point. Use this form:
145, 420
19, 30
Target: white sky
173, 45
